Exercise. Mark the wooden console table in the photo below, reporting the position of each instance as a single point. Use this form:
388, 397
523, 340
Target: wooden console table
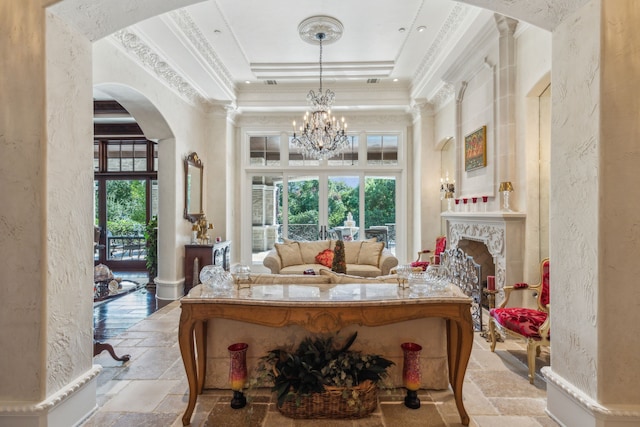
322, 309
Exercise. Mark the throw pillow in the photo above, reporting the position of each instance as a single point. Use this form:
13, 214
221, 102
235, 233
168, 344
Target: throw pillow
309, 250
289, 253
325, 258
370, 253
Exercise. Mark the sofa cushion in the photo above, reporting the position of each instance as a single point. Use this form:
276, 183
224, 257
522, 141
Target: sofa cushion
309, 250
339, 278
289, 253
351, 251
370, 253
325, 258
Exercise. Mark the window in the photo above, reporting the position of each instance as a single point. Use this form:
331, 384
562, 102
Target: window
264, 150
382, 149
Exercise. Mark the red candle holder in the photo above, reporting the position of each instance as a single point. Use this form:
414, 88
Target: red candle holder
474, 199
491, 283
485, 199
238, 373
411, 376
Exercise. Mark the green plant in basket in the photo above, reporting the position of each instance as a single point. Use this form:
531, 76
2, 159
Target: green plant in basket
320, 362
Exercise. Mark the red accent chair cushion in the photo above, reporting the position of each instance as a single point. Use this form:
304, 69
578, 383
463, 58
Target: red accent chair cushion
422, 264
325, 258
524, 321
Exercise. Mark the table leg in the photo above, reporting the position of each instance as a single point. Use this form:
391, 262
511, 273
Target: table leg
459, 342
201, 353
186, 341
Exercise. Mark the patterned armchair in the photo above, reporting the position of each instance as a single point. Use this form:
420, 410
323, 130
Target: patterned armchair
530, 324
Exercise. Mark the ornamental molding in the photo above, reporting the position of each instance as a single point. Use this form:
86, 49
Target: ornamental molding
192, 32
491, 235
589, 404
444, 95
449, 27
55, 399
154, 62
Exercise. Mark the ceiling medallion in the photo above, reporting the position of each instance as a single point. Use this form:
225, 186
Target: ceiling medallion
320, 136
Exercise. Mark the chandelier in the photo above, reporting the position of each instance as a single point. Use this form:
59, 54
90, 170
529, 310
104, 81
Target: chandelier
321, 136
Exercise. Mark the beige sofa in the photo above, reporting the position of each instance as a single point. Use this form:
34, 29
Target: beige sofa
366, 258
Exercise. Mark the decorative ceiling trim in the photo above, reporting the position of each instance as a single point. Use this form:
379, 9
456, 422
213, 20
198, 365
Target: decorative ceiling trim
156, 63
449, 27
444, 94
190, 29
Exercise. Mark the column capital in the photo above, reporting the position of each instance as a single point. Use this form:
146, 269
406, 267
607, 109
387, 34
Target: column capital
506, 26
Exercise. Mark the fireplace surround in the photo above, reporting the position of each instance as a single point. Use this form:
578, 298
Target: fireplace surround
501, 232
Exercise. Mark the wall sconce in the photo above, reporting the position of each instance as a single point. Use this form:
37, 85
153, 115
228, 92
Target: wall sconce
447, 191
505, 188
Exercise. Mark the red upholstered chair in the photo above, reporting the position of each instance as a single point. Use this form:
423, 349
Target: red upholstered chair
530, 324
441, 245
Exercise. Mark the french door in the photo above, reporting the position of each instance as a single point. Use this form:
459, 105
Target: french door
322, 205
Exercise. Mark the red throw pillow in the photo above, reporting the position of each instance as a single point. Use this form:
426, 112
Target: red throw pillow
325, 258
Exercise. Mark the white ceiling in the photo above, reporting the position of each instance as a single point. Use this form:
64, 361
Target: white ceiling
226, 48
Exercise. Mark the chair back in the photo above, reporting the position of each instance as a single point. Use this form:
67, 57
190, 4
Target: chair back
441, 245
543, 297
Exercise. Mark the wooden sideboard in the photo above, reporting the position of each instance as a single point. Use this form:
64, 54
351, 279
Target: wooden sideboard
216, 254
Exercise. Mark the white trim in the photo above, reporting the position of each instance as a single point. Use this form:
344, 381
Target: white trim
68, 407
169, 290
571, 407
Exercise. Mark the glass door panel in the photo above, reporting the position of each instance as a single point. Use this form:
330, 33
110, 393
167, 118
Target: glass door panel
303, 208
266, 215
380, 209
343, 207
126, 220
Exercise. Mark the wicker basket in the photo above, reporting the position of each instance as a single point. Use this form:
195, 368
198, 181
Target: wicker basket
331, 403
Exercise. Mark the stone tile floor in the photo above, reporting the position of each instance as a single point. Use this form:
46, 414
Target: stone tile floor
151, 389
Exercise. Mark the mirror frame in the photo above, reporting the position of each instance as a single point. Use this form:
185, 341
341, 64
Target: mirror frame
192, 161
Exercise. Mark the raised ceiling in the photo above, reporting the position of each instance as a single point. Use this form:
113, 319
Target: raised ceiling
221, 49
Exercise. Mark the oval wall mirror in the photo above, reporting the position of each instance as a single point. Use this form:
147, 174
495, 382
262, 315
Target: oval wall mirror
193, 178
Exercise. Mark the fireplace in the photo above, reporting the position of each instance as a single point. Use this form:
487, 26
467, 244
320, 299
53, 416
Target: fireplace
502, 233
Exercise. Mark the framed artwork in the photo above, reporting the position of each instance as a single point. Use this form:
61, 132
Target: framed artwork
475, 149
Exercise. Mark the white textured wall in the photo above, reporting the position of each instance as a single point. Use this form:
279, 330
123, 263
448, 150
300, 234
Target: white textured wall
575, 198
69, 206
23, 219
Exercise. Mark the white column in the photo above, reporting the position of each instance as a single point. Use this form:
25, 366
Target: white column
594, 379
46, 257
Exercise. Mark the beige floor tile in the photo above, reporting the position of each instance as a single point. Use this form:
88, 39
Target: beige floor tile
139, 396
501, 421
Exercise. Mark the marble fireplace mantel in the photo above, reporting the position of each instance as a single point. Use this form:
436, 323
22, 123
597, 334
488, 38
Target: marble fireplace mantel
501, 232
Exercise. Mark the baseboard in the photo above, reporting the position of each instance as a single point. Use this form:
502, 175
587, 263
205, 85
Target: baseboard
169, 290
68, 407
570, 407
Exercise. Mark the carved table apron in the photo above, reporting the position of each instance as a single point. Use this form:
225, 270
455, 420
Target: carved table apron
322, 309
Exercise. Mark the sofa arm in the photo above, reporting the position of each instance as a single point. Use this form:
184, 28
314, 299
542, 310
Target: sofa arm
387, 262
272, 261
